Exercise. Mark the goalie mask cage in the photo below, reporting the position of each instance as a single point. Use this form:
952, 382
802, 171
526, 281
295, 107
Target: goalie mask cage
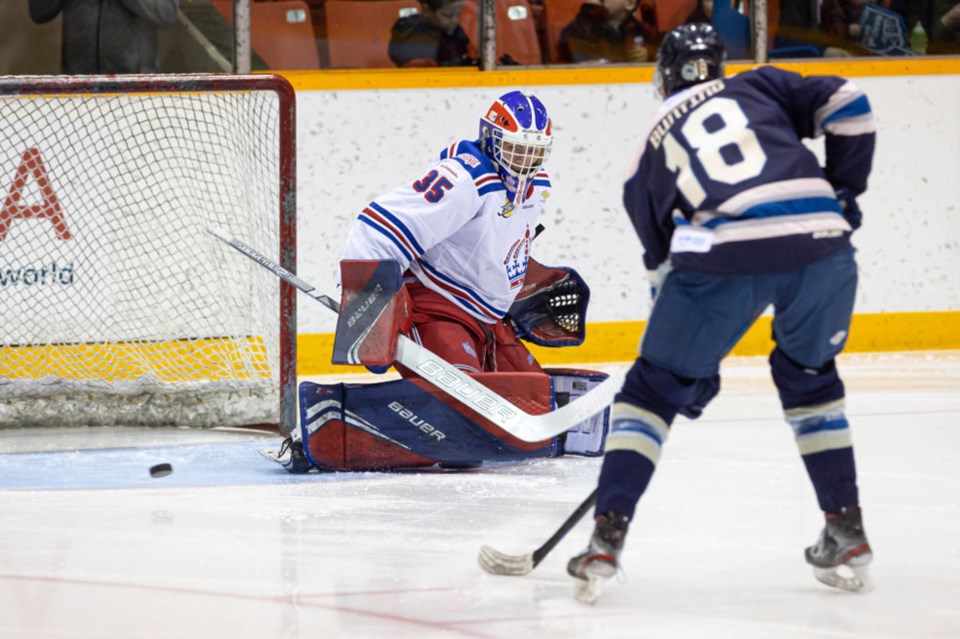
116, 306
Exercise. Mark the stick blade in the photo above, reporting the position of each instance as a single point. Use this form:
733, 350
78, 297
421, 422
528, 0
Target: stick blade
497, 563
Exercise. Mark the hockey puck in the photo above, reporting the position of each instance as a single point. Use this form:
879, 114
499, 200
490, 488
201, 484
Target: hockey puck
160, 470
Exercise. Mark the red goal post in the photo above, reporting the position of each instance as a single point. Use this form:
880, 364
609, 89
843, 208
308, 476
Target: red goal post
116, 307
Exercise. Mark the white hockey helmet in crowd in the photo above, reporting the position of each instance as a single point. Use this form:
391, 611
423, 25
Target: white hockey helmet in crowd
516, 134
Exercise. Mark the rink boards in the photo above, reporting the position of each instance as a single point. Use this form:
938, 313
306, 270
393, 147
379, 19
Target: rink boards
908, 247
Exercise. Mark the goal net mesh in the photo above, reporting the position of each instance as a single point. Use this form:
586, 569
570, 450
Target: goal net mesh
116, 306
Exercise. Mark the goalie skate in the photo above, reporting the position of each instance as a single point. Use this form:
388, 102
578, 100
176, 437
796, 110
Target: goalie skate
842, 553
601, 560
290, 455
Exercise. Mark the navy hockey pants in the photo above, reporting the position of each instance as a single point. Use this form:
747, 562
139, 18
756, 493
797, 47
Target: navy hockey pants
698, 319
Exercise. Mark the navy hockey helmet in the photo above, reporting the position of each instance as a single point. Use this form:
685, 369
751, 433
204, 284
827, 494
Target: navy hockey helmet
689, 55
516, 134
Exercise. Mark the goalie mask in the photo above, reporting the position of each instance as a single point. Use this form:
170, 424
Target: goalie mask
689, 55
516, 134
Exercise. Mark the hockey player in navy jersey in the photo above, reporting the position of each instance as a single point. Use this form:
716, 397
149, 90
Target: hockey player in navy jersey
736, 215
444, 258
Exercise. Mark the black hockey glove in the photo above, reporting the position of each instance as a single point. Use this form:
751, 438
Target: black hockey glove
851, 211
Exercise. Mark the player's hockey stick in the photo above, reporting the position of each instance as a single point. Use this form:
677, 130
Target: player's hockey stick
498, 563
453, 382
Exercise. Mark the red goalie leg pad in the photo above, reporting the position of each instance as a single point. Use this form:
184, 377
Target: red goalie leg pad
374, 310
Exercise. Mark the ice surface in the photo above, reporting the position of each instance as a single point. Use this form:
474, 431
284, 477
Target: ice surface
230, 545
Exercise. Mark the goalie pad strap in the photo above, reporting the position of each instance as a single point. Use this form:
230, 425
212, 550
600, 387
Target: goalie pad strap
588, 438
375, 309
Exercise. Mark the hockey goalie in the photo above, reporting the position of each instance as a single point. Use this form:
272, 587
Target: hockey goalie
445, 260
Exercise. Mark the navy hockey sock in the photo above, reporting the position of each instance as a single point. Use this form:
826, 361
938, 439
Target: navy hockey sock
834, 478
623, 479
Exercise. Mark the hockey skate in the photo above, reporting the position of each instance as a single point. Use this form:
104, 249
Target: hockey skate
601, 560
841, 554
290, 455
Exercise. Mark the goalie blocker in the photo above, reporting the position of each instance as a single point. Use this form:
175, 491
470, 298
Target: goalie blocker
408, 423
374, 310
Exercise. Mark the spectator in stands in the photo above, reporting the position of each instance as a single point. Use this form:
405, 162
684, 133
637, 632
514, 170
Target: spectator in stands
105, 36
609, 31
940, 20
851, 10
945, 34
702, 13
433, 37
912, 11
951, 17
850, 16
802, 26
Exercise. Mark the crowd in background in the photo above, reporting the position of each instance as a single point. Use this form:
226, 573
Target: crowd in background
145, 36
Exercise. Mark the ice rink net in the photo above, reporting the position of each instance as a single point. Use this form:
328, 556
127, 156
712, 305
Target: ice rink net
115, 306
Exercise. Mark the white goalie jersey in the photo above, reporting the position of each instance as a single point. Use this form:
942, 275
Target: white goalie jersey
458, 229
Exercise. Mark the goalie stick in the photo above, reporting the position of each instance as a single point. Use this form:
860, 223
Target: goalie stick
499, 563
455, 383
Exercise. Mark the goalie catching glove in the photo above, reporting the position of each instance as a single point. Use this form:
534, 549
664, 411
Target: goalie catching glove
551, 309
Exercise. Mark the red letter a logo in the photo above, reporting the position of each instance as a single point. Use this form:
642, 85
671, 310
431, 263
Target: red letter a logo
48, 209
